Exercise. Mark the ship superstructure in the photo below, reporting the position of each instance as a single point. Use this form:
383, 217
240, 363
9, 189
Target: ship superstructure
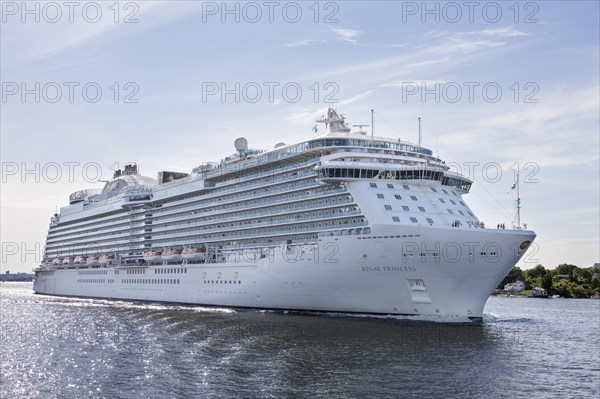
340, 222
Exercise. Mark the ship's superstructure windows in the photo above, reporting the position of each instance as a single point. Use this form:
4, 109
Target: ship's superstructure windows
291, 195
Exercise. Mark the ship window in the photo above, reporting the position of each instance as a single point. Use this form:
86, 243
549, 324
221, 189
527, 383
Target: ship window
404, 207
412, 197
442, 200
374, 185
471, 214
406, 187
453, 203
380, 196
462, 203
429, 220
445, 192
422, 209
390, 185
461, 212
388, 207
396, 219
398, 197
450, 211
414, 220
433, 189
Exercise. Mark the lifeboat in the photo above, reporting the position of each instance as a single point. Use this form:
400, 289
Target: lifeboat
80, 259
153, 256
197, 253
172, 255
69, 260
57, 261
92, 260
106, 260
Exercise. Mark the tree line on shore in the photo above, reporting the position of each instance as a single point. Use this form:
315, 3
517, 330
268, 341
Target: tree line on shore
566, 280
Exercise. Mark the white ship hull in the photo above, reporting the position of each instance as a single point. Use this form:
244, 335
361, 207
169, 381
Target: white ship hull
339, 222
345, 274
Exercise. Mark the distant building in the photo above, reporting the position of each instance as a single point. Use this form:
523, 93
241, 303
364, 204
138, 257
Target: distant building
561, 277
539, 292
16, 277
517, 286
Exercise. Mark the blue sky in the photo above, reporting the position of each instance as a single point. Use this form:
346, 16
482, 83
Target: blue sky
365, 55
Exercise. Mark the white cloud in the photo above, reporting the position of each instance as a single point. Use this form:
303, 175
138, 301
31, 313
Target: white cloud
411, 82
349, 35
30, 42
306, 42
427, 62
355, 98
503, 32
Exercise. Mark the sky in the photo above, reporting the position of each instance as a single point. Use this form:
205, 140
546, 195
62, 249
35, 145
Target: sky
500, 87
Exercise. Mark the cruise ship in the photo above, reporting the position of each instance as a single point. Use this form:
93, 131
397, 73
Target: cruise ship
342, 222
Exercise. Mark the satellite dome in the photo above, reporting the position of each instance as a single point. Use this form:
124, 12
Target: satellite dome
279, 145
241, 144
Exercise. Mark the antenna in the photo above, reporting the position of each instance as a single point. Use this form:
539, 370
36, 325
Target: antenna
518, 203
360, 128
419, 131
372, 124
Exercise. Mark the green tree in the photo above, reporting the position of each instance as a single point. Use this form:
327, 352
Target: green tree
585, 274
565, 268
547, 281
538, 271
564, 288
578, 291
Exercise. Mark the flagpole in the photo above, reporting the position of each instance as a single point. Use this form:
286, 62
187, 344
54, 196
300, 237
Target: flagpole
518, 204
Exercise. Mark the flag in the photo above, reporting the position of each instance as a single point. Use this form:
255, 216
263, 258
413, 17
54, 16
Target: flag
315, 129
